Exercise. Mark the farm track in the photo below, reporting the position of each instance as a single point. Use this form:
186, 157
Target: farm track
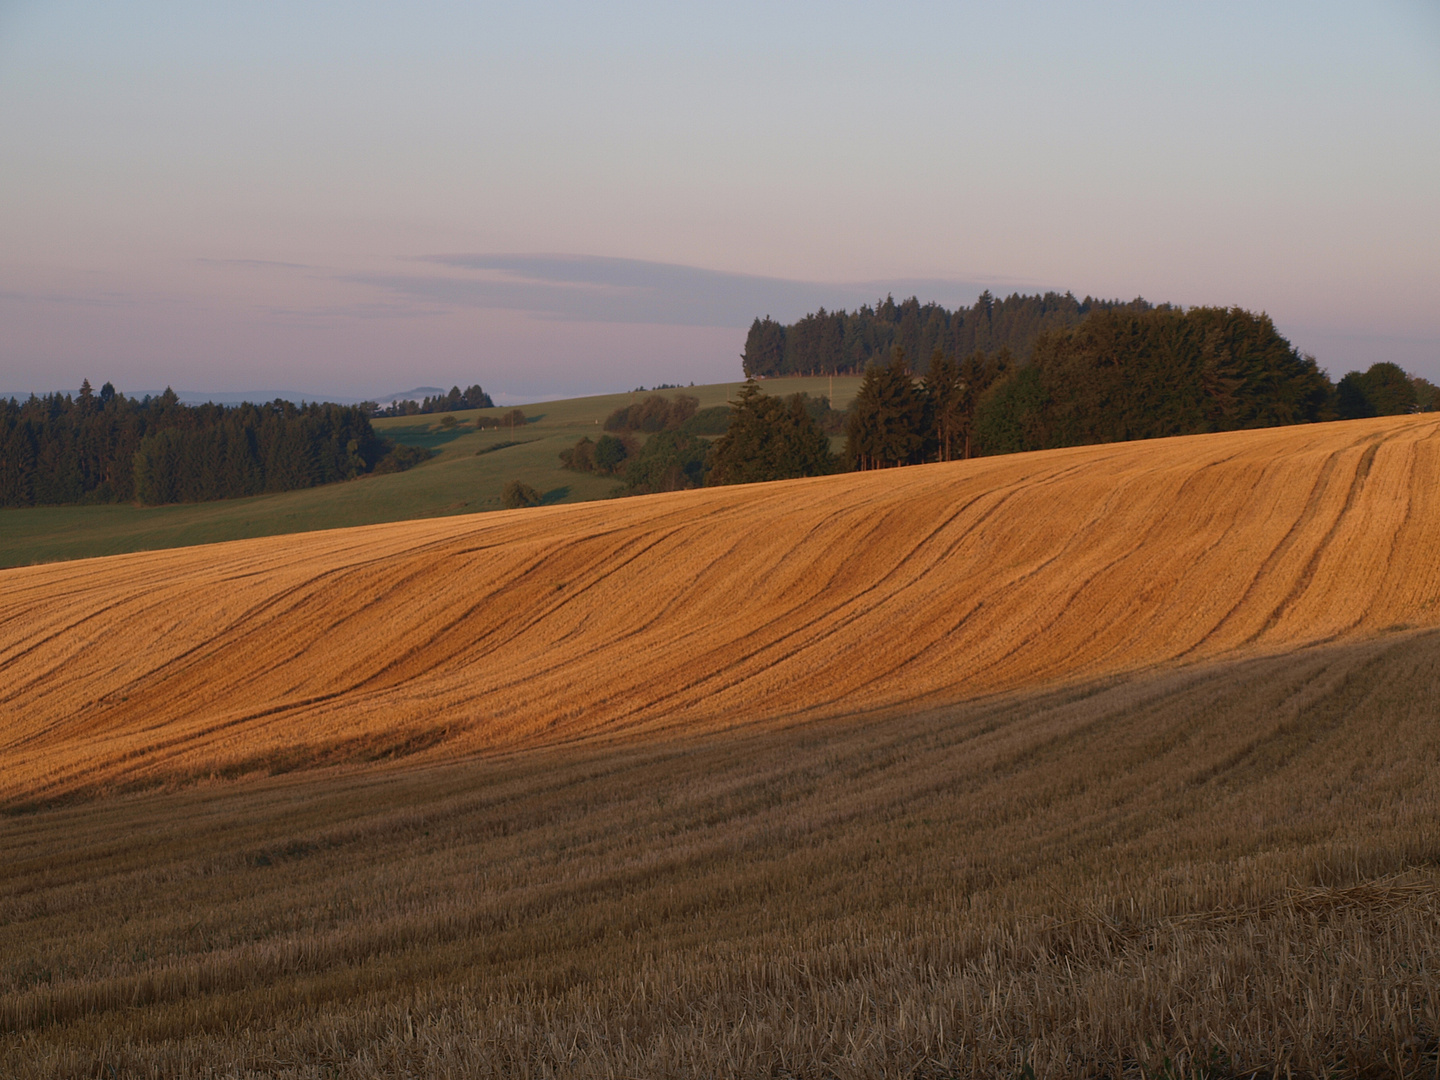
708, 610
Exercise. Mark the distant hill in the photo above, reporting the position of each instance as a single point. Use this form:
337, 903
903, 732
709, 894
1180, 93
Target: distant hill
255, 397
418, 393
466, 475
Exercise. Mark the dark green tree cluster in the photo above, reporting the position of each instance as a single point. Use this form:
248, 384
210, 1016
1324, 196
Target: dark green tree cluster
1124, 375
105, 447
1382, 390
1427, 394
760, 438
836, 342
669, 461
517, 495
896, 421
514, 420
887, 418
470, 398
1124, 371
1119, 375
771, 438
830, 421
712, 421
604, 457
655, 413
675, 456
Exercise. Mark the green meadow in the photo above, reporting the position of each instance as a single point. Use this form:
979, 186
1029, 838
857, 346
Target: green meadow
466, 475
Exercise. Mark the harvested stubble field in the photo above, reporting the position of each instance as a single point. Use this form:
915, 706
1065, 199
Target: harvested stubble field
1075, 761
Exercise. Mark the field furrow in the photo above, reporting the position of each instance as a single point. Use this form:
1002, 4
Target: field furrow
712, 609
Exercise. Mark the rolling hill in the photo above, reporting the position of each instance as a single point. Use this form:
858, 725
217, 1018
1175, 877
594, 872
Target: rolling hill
871, 593
466, 476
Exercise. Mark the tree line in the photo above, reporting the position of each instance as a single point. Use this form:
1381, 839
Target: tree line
676, 454
1384, 390
654, 413
1119, 375
105, 447
757, 437
1123, 372
844, 342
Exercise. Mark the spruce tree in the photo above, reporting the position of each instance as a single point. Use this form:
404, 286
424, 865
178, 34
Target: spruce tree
944, 401
769, 439
887, 421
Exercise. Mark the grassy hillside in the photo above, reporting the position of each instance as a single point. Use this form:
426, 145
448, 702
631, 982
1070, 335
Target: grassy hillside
704, 610
460, 480
1199, 873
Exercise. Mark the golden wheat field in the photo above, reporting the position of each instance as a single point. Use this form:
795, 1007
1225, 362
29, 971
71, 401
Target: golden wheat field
704, 610
1120, 761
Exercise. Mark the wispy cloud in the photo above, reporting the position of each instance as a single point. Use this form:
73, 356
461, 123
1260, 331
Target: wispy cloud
256, 264
332, 313
590, 288
92, 298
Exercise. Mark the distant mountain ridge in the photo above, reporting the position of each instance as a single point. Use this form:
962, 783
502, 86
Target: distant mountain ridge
254, 397
419, 393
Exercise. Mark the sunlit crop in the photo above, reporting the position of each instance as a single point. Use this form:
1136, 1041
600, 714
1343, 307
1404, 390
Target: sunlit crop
706, 610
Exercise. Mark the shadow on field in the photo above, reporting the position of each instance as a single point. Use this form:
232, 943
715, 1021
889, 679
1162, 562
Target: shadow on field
427, 437
1224, 871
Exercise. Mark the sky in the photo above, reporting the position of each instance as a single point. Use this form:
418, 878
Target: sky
556, 198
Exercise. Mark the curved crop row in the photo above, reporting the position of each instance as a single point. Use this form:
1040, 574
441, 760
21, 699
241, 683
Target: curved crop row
714, 608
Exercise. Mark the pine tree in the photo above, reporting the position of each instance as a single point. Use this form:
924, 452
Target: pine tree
887, 420
976, 376
764, 348
769, 439
863, 423
944, 402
